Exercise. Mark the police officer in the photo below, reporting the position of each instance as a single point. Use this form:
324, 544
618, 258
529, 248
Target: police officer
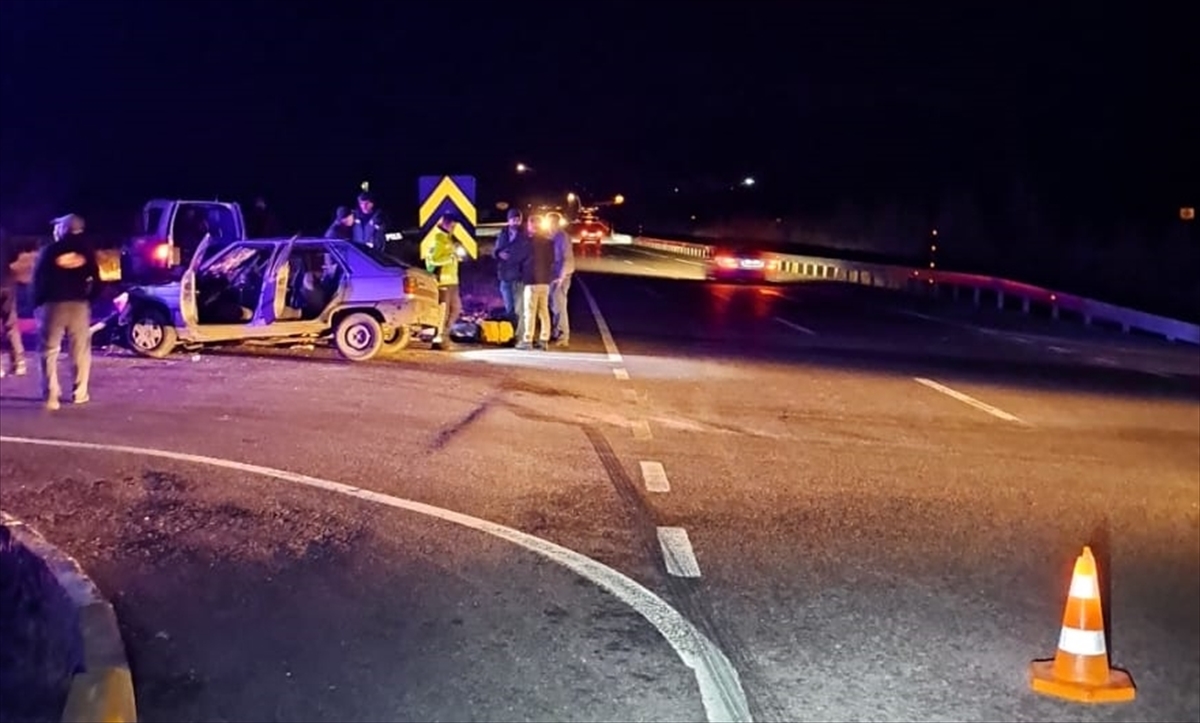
370, 224
440, 254
66, 279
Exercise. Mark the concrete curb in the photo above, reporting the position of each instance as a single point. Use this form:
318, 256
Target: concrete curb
104, 690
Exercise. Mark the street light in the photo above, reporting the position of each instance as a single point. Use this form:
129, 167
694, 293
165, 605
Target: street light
618, 199
522, 168
572, 198
748, 181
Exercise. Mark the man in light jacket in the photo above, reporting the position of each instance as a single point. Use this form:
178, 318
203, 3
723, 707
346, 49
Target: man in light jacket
560, 288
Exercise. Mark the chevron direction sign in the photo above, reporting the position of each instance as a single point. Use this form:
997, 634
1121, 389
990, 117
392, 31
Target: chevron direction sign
439, 195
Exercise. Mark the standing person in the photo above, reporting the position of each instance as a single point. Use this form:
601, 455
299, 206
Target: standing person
342, 226
260, 222
512, 244
10, 328
65, 280
537, 271
441, 258
370, 223
560, 288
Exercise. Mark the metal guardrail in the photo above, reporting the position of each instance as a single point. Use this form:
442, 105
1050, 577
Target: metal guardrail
933, 282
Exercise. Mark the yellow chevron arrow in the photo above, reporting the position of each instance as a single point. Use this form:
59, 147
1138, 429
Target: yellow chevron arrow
447, 188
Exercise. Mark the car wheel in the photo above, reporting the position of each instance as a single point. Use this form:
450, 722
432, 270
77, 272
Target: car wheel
358, 337
398, 341
150, 333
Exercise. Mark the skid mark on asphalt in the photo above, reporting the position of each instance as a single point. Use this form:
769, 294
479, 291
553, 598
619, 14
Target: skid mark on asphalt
967, 399
720, 688
449, 433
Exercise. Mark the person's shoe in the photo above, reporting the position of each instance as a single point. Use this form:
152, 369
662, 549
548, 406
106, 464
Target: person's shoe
540, 346
52, 404
20, 369
523, 346
562, 343
81, 399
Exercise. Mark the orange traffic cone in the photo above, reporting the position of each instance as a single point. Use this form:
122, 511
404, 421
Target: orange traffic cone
1079, 671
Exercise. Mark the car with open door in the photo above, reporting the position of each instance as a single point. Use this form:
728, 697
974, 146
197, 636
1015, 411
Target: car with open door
285, 291
170, 233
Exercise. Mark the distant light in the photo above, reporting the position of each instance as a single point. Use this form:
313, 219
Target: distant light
1187, 213
677, 189
933, 232
933, 247
572, 198
522, 168
779, 220
365, 186
618, 199
931, 264
747, 181
693, 217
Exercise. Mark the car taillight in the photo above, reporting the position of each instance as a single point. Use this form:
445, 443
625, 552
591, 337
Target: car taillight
727, 262
410, 286
161, 253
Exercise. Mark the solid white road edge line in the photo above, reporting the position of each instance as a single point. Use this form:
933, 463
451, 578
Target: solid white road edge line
795, 327
966, 399
655, 477
610, 346
677, 552
720, 687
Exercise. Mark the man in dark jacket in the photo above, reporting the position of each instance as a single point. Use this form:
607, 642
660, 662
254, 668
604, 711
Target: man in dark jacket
537, 271
370, 225
342, 226
65, 281
512, 245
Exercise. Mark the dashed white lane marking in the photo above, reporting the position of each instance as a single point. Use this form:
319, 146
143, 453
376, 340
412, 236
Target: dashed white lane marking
1059, 350
795, 327
720, 688
621, 373
677, 552
610, 345
1105, 361
967, 399
641, 429
631, 395
655, 477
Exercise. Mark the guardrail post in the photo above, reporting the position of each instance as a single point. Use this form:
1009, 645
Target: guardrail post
999, 299
1054, 312
978, 296
1025, 305
1087, 319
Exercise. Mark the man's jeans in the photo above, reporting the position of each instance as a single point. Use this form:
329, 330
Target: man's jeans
74, 320
559, 291
513, 293
537, 313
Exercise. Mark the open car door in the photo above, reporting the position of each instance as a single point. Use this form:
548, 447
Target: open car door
275, 285
188, 309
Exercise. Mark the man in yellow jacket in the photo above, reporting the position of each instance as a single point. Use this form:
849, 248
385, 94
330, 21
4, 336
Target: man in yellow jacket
440, 254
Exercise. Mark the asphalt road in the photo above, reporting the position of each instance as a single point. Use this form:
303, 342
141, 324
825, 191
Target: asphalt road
861, 545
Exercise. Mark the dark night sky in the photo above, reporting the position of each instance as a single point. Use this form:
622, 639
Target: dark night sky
108, 102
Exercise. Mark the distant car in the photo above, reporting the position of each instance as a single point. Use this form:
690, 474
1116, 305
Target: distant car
588, 233
738, 264
284, 290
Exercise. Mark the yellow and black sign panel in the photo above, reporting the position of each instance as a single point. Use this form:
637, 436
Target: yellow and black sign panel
439, 195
